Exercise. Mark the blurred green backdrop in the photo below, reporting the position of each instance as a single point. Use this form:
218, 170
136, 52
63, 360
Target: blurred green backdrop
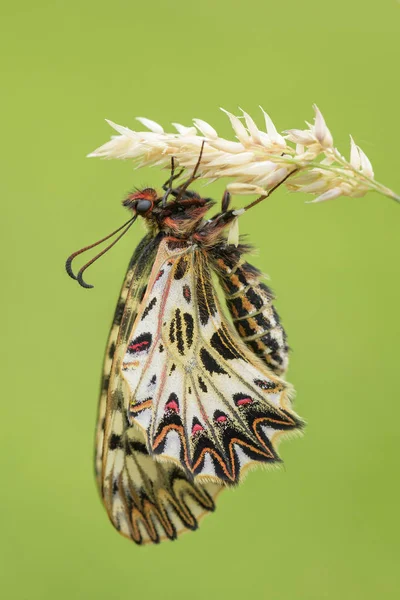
328, 525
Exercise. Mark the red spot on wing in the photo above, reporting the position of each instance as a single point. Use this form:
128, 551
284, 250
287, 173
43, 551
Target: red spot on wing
244, 401
186, 293
197, 428
141, 343
172, 405
139, 346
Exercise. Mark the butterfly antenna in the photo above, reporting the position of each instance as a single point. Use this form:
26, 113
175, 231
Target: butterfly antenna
167, 187
83, 269
182, 188
68, 264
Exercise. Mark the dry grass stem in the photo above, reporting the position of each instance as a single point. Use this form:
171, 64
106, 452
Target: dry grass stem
258, 161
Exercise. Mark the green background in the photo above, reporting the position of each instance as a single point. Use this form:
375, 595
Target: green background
327, 526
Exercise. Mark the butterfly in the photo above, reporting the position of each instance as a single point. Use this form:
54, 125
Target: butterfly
191, 398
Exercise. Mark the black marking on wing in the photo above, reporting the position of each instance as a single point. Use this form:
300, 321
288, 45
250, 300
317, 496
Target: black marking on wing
229, 286
223, 345
240, 310
205, 298
202, 384
242, 276
254, 298
263, 322
257, 415
204, 446
187, 294
203, 313
181, 267
179, 333
245, 328
119, 311
210, 364
115, 441
137, 446
148, 308
111, 350
141, 343
266, 385
172, 331
270, 342
189, 323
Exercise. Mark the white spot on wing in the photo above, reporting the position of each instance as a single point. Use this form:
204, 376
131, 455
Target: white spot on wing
208, 468
172, 445
144, 418
242, 456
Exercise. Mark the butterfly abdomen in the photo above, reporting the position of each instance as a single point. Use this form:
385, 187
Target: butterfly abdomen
250, 303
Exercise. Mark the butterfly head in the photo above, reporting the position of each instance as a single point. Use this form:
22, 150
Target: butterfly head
180, 217
141, 202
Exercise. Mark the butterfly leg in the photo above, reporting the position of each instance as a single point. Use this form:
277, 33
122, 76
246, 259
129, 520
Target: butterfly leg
225, 202
263, 196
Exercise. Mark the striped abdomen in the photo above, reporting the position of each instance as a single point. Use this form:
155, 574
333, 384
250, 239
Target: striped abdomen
250, 303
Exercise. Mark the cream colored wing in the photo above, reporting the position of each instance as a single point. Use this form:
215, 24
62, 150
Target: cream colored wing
203, 400
146, 501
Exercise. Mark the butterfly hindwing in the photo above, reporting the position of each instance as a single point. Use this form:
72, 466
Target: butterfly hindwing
204, 401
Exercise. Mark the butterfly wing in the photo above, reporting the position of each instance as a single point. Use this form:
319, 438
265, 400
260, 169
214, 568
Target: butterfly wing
147, 501
137, 269
250, 303
204, 401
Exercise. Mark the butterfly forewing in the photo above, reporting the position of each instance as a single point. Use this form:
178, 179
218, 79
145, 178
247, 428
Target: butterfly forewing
202, 399
131, 285
146, 500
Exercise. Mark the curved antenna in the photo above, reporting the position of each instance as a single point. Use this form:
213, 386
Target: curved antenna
78, 277
81, 271
68, 263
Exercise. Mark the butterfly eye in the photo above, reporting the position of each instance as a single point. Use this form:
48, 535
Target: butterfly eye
143, 206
